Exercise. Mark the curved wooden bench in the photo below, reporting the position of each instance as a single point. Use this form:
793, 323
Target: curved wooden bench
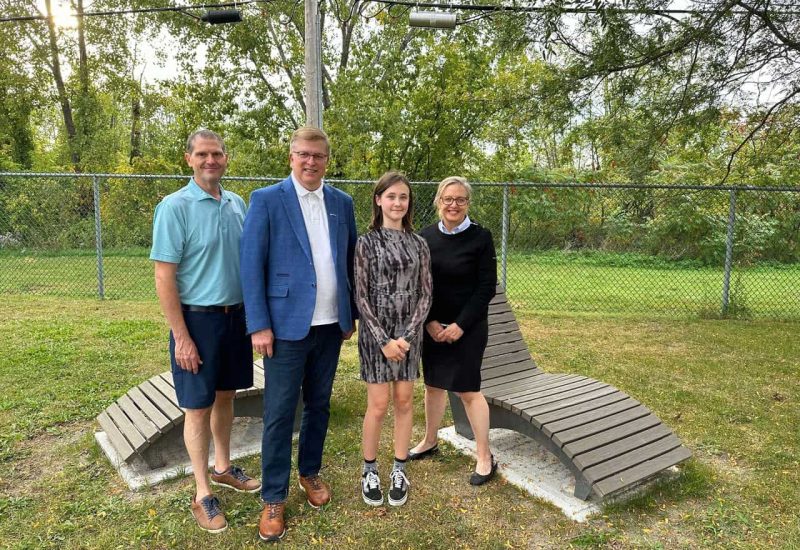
607, 439
147, 422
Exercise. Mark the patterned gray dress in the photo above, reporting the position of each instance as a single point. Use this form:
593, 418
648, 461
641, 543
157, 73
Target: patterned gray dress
393, 295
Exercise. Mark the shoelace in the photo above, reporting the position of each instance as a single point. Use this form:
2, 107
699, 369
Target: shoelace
273, 510
372, 480
398, 479
239, 474
211, 507
315, 483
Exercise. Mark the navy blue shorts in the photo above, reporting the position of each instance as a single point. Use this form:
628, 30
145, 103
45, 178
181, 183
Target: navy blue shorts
227, 354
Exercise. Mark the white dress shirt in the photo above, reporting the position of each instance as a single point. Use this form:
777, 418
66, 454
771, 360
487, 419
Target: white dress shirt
457, 229
315, 216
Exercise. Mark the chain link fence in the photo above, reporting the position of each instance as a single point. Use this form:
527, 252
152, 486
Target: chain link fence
675, 250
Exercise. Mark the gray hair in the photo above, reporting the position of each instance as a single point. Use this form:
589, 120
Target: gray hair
205, 134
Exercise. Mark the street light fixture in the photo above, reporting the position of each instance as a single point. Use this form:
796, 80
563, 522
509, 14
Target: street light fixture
220, 17
432, 19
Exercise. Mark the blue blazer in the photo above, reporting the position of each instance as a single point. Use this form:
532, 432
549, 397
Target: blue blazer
278, 277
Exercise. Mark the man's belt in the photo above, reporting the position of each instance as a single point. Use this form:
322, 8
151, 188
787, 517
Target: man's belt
212, 309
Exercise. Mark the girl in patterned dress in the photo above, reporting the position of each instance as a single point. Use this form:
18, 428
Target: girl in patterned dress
393, 295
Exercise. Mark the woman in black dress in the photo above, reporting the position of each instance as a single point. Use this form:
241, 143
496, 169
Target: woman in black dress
464, 269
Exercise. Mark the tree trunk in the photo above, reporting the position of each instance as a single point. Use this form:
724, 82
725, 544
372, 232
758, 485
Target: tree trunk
63, 98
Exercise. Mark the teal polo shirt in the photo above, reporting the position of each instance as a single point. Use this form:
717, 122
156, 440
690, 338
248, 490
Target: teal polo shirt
201, 234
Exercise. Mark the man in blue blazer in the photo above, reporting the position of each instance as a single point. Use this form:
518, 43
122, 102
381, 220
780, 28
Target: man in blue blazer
296, 254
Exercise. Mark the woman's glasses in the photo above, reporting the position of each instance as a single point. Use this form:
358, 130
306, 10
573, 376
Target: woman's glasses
460, 201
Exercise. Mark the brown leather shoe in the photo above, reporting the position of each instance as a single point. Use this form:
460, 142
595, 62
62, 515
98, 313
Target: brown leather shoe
208, 514
317, 491
234, 478
272, 526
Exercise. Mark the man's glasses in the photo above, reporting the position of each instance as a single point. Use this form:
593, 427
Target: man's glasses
305, 155
460, 201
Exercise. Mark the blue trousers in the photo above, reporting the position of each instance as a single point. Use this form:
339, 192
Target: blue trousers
309, 364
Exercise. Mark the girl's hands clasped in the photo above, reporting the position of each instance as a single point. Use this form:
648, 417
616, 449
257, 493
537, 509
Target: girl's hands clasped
396, 350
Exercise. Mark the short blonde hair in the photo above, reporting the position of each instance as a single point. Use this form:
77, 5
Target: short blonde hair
447, 182
309, 133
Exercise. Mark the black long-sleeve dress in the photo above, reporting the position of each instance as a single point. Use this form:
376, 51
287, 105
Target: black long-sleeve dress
464, 269
393, 295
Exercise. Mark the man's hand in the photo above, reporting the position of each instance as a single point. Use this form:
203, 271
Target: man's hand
186, 354
452, 333
262, 341
395, 350
349, 334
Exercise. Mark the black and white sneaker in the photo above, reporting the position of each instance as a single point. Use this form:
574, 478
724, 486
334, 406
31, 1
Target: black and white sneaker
398, 494
371, 489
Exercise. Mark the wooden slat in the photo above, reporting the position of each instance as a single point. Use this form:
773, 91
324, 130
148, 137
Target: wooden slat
145, 426
167, 376
566, 401
552, 388
502, 349
167, 406
129, 431
594, 415
496, 366
497, 386
597, 441
115, 436
599, 426
503, 328
498, 307
621, 446
258, 380
504, 338
516, 385
511, 368
149, 408
641, 471
584, 407
542, 384
166, 390
585, 387
258, 366
498, 318
505, 359
632, 458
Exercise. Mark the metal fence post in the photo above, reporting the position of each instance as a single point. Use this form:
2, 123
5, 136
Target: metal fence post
504, 239
726, 279
98, 237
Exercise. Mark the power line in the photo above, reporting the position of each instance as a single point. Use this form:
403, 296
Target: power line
563, 9
21, 18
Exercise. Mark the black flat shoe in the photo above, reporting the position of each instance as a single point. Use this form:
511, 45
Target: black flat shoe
479, 479
423, 454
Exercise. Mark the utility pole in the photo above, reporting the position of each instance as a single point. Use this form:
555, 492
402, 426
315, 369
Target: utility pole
313, 51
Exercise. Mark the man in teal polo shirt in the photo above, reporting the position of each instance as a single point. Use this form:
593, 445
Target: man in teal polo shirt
196, 233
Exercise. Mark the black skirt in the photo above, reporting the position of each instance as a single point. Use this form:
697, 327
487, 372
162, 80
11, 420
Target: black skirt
456, 366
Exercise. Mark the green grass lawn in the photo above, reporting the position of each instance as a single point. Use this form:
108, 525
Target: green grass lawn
632, 283
729, 388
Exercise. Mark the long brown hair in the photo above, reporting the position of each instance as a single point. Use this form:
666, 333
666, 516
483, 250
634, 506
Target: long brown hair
385, 182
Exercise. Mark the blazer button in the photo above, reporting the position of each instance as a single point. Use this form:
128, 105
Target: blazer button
314, 285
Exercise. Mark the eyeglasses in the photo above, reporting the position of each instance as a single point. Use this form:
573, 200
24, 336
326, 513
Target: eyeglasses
305, 155
460, 201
